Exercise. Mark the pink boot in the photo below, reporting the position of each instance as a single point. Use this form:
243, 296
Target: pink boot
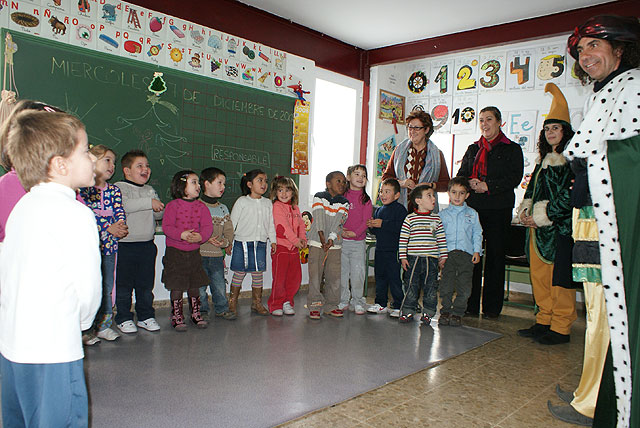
196, 316
177, 318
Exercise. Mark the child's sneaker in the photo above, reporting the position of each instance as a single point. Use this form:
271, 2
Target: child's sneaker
359, 310
394, 313
150, 324
277, 313
314, 315
128, 327
336, 313
343, 306
405, 318
90, 339
455, 321
288, 309
108, 334
425, 318
377, 309
445, 318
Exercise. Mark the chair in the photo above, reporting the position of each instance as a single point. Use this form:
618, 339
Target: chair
368, 262
516, 259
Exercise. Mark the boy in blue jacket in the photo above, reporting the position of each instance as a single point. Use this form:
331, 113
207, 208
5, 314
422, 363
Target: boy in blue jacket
386, 224
464, 243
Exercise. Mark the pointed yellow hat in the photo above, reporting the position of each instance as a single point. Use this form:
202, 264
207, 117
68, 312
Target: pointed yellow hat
559, 108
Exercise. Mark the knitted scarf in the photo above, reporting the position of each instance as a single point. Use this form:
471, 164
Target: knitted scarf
480, 162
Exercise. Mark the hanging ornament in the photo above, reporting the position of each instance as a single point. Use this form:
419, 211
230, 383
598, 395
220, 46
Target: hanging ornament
158, 85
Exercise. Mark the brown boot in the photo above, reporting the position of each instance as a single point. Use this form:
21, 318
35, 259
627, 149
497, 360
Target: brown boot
256, 301
233, 299
196, 316
177, 318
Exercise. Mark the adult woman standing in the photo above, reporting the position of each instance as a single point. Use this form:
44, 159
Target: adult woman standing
417, 160
546, 212
494, 167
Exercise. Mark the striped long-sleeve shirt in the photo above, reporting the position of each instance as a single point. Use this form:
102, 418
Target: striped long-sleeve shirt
422, 234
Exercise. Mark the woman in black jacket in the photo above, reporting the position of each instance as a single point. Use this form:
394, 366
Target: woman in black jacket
494, 167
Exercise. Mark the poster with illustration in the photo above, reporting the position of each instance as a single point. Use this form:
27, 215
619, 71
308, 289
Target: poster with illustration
417, 103
442, 80
520, 70
440, 111
466, 77
550, 65
464, 115
570, 76
58, 26
83, 33
156, 25
418, 79
491, 73
521, 128
384, 151
392, 107
134, 18
26, 17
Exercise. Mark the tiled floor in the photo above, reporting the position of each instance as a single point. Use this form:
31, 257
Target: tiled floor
505, 383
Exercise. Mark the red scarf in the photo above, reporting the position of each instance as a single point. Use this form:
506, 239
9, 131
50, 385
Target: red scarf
480, 162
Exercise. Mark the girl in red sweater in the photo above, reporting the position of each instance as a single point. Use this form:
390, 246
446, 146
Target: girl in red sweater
291, 238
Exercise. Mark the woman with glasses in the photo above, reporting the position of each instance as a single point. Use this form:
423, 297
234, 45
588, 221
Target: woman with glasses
417, 161
494, 167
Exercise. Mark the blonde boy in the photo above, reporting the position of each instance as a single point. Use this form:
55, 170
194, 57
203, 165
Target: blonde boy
49, 273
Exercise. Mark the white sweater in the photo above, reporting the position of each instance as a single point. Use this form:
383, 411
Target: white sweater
252, 220
50, 279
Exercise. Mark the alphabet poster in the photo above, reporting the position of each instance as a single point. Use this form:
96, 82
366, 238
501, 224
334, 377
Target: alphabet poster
521, 128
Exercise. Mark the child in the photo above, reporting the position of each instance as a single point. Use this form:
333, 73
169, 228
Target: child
291, 238
213, 251
252, 218
187, 225
386, 224
330, 210
11, 190
353, 244
423, 248
50, 274
105, 200
136, 267
464, 243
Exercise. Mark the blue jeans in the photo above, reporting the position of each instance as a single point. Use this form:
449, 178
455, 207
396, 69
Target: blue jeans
421, 275
104, 318
214, 267
44, 395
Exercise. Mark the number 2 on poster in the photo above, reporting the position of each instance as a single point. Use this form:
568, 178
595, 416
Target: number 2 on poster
464, 75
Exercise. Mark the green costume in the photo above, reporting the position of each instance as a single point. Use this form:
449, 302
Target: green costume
547, 201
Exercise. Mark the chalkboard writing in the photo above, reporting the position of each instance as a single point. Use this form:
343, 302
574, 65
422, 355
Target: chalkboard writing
196, 123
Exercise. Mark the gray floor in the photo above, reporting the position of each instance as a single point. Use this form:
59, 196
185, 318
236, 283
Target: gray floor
258, 371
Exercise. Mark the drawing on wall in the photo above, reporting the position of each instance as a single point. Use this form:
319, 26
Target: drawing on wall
391, 105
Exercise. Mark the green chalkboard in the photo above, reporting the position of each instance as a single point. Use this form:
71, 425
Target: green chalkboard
198, 122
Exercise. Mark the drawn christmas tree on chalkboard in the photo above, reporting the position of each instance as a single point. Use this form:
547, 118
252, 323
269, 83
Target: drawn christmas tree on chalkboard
155, 136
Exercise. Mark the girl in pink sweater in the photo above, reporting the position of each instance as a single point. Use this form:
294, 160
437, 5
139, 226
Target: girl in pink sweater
353, 270
187, 225
291, 238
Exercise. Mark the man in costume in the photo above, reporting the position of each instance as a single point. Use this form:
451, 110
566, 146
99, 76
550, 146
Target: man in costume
607, 49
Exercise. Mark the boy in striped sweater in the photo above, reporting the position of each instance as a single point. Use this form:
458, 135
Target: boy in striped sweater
422, 250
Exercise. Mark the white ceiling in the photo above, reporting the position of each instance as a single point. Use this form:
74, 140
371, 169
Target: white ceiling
370, 24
